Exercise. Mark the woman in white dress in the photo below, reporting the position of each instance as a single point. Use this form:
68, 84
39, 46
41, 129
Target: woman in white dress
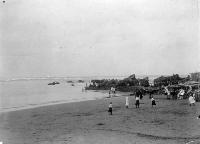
127, 102
191, 100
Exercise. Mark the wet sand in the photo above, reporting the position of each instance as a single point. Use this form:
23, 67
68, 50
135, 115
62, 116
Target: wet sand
88, 122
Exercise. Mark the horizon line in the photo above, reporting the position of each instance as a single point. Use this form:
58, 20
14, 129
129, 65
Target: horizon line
45, 77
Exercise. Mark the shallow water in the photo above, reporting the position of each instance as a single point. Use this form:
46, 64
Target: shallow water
22, 94
16, 94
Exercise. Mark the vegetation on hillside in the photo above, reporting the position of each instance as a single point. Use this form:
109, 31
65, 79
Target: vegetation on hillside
170, 80
128, 84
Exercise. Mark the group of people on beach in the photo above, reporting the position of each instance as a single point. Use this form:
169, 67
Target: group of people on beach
138, 97
192, 101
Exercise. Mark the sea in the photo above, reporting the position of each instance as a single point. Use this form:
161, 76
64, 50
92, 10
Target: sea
24, 93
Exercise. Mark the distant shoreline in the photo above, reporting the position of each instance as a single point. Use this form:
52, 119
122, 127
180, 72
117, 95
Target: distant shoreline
77, 77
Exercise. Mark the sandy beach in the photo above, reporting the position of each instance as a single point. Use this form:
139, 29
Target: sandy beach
88, 122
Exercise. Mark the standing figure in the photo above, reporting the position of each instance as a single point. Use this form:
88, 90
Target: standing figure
137, 101
153, 102
139, 94
167, 92
109, 94
150, 94
112, 89
181, 94
173, 94
110, 108
127, 102
192, 100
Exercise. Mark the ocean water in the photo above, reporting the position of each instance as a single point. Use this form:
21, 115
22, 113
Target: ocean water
16, 94
22, 94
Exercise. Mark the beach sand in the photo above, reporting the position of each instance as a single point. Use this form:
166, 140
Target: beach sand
88, 122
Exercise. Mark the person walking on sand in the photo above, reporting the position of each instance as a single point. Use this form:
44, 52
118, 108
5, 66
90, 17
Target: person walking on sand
110, 108
137, 101
127, 102
191, 100
153, 102
137, 98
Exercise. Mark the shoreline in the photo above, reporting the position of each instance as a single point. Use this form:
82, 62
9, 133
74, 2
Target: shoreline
33, 106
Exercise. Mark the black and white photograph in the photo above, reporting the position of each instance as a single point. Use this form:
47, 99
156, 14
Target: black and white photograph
99, 72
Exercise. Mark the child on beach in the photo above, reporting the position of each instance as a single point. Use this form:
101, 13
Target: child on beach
110, 108
137, 98
153, 102
137, 102
127, 102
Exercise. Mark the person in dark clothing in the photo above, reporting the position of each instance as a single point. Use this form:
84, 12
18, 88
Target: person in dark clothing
137, 102
137, 99
110, 108
140, 94
153, 102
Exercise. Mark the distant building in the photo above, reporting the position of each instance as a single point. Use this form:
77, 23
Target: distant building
195, 76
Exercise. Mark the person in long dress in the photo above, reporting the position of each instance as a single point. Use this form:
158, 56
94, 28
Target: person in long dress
191, 100
127, 102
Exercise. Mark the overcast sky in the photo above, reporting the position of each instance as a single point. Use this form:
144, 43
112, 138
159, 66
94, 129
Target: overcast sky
98, 37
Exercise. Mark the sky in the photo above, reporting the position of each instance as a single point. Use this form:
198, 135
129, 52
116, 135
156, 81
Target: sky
98, 37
